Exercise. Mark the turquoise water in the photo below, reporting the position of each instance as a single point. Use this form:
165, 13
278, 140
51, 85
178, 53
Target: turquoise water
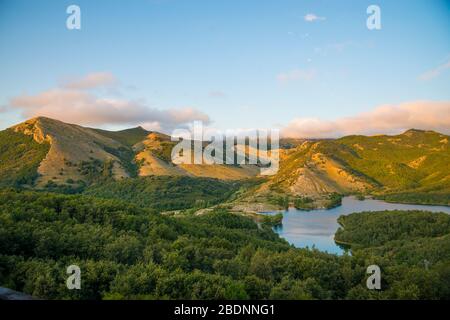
317, 227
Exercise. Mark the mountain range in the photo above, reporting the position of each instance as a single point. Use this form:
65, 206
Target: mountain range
43, 153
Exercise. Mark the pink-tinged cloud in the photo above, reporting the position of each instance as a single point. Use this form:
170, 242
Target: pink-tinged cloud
296, 75
436, 72
86, 108
91, 81
385, 119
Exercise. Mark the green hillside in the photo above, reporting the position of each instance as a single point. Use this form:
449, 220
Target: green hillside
128, 137
414, 159
412, 167
165, 192
20, 157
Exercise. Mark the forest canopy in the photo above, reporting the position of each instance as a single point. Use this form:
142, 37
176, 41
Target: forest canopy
128, 252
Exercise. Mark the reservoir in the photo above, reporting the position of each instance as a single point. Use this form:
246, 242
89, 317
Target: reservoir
316, 228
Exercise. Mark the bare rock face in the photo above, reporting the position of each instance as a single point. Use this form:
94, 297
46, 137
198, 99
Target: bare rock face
33, 128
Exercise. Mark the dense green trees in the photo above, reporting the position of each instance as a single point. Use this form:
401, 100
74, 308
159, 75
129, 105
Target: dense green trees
128, 252
411, 247
304, 203
370, 229
334, 200
273, 220
166, 193
433, 197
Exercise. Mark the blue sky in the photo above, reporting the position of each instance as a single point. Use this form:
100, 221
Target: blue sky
228, 59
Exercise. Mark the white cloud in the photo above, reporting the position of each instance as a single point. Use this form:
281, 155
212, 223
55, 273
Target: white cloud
311, 17
91, 81
385, 119
75, 104
152, 126
431, 74
297, 74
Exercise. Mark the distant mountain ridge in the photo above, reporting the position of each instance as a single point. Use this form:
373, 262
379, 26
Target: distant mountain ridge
42, 152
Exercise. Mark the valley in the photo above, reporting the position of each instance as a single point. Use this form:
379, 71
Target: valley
141, 227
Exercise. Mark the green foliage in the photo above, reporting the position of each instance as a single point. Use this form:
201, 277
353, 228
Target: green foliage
166, 193
411, 247
123, 251
126, 157
127, 252
427, 198
401, 162
95, 171
68, 188
304, 203
370, 229
20, 157
360, 197
334, 200
164, 152
280, 201
274, 220
128, 137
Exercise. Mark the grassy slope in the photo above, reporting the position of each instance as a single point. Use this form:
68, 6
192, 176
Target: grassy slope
20, 157
400, 162
411, 167
128, 137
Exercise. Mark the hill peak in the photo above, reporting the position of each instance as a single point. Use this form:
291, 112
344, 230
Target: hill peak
37, 125
42, 120
37, 118
135, 129
414, 132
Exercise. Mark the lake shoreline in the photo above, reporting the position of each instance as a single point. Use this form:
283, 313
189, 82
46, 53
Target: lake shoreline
355, 197
317, 227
